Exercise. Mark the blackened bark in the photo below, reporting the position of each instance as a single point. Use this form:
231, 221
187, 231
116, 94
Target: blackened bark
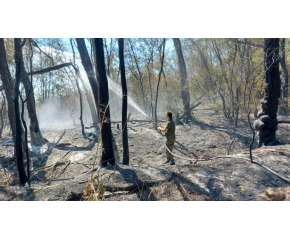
8, 86
35, 133
124, 104
183, 77
285, 75
87, 64
105, 118
18, 143
267, 123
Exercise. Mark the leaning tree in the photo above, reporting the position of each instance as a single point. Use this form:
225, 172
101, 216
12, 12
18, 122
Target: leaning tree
87, 64
266, 124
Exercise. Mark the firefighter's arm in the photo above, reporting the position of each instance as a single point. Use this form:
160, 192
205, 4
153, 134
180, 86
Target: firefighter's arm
162, 129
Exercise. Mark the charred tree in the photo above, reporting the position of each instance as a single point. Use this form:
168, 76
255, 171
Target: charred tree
266, 124
8, 85
18, 127
87, 64
183, 77
285, 75
124, 104
35, 133
105, 118
23, 120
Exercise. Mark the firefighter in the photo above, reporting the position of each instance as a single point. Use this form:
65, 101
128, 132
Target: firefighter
169, 131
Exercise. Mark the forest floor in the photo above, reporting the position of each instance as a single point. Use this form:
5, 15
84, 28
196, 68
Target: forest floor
64, 164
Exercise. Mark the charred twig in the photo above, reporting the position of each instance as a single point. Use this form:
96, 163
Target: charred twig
231, 145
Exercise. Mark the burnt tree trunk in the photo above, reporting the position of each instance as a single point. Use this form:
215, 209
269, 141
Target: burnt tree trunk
8, 86
18, 127
35, 133
183, 77
124, 104
87, 64
267, 123
105, 118
285, 75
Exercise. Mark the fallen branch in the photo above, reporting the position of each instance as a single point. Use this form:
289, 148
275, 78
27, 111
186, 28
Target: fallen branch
128, 187
283, 122
191, 109
135, 186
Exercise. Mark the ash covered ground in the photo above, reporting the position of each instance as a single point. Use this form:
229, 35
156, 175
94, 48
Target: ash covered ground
209, 135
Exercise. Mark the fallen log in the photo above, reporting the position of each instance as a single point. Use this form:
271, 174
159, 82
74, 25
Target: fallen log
128, 187
283, 122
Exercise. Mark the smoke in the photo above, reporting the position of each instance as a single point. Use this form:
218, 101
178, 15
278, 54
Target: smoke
53, 114
118, 91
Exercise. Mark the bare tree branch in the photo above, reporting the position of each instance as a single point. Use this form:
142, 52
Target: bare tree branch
247, 42
49, 69
36, 45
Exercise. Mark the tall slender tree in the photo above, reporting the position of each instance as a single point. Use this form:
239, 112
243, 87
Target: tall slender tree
124, 105
285, 74
183, 78
105, 118
18, 127
8, 85
35, 132
87, 64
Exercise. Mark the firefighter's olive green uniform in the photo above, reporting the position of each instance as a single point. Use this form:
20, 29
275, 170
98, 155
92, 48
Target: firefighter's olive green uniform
170, 135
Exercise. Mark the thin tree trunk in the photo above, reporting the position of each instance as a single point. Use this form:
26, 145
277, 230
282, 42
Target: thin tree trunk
213, 83
285, 75
35, 133
78, 77
267, 123
105, 118
159, 78
18, 142
183, 77
124, 105
140, 78
87, 64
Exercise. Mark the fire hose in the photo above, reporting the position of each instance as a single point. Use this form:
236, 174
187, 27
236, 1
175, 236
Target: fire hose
211, 157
